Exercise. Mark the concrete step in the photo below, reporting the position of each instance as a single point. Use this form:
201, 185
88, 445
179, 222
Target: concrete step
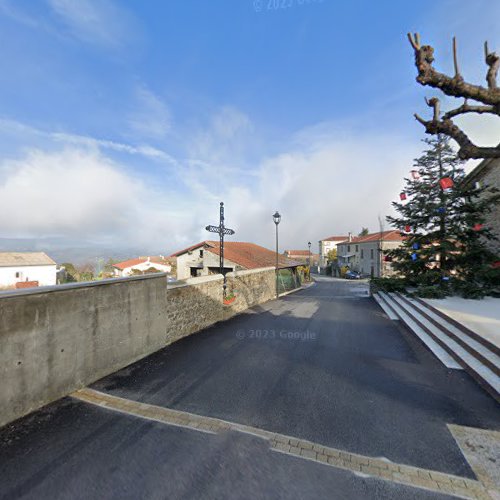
480, 350
475, 358
479, 338
386, 307
438, 351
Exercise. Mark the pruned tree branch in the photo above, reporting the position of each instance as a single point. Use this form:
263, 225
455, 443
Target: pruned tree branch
466, 108
493, 61
436, 105
468, 150
456, 86
455, 59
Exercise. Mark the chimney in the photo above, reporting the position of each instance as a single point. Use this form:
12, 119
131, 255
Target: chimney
350, 236
149, 260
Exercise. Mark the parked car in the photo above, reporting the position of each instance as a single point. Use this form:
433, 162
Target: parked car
352, 275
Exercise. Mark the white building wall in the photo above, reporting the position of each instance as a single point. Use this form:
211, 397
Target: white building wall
45, 275
144, 266
209, 259
371, 258
324, 248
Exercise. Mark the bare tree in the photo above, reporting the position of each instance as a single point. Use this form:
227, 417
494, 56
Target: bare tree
488, 99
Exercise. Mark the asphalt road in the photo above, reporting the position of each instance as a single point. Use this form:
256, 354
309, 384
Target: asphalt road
323, 364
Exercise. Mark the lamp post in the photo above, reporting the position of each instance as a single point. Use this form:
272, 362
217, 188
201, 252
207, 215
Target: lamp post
277, 219
309, 245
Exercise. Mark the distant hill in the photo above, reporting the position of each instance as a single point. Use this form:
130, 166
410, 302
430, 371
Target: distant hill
75, 251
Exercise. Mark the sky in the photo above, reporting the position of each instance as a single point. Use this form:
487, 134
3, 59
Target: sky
127, 122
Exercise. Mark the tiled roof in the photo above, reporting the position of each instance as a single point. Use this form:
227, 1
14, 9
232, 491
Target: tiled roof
335, 238
250, 255
298, 252
392, 235
189, 249
134, 262
8, 259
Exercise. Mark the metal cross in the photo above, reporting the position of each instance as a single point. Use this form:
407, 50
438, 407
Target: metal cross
221, 230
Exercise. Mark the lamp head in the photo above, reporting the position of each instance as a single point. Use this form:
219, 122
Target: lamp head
276, 217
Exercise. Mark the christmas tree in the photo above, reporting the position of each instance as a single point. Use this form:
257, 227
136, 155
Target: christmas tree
444, 251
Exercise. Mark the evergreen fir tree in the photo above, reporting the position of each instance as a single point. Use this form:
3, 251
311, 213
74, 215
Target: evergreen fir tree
444, 250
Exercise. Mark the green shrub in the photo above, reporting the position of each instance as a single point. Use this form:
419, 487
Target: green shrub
431, 292
388, 284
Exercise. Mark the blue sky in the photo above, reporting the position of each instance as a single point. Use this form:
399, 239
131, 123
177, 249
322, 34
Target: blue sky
128, 121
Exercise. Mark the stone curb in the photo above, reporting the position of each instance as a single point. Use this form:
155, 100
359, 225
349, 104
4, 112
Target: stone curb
358, 464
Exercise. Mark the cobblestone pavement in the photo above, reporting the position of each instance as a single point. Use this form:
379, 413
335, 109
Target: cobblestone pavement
359, 464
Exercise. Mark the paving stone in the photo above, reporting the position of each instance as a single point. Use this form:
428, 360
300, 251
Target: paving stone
308, 453
400, 473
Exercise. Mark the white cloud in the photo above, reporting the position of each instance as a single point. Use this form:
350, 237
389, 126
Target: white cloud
151, 118
17, 128
98, 22
70, 191
333, 186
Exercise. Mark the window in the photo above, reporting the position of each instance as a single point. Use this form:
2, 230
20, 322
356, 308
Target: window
371, 253
348, 248
362, 253
201, 254
357, 248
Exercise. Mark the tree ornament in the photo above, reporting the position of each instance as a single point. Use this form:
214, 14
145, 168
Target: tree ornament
477, 227
416, 246
415, 175
407, 229
414, 256
402, 196
441, 210
446, 183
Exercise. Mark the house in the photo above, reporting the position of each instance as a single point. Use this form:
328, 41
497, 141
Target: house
22, 269
327, 244
203, 258
142, 265
302, 256
365, 253
487, 173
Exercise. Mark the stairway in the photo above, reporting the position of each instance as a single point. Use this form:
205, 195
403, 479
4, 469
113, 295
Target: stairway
453, 344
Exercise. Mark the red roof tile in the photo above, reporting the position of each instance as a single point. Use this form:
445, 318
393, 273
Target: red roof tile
392, 235
189, 249
247, 255
336, 238
250, 255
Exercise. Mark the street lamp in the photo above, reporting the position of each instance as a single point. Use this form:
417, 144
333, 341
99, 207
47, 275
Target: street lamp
277, 219
309, 245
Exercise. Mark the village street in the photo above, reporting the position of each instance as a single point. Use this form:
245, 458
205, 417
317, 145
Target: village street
323, 365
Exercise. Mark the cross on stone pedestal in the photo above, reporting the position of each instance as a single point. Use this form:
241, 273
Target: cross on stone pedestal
221, 230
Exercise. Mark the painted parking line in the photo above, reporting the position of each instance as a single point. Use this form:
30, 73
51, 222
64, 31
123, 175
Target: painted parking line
358, 464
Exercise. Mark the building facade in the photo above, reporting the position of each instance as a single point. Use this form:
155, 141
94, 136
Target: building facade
365, 254
26, 267
141, 265
327, 244
302, 256
487, 173
203, 259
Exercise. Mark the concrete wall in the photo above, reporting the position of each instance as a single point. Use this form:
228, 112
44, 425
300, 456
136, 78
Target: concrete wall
55, 340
